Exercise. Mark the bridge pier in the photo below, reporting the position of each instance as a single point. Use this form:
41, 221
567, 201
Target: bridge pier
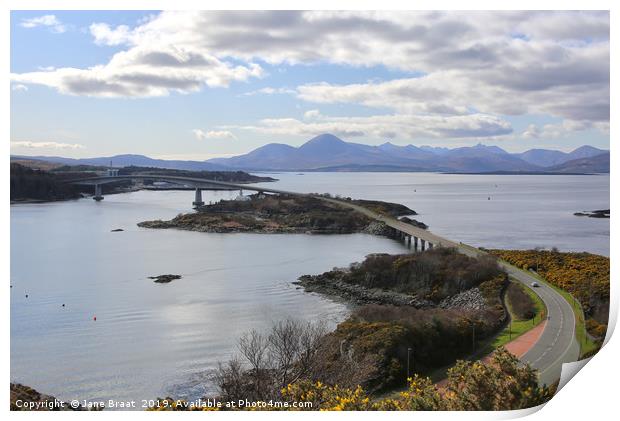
415, 243
422, 244
198, 198
98, 196
430, 245
408, 241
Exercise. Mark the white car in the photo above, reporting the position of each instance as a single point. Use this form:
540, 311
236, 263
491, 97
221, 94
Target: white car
535, 284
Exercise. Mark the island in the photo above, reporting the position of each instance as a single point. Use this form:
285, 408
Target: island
601, 213
283, 213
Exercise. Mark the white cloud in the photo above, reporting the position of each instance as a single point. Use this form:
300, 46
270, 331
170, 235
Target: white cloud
270, 91
389, 126
46, 145
312, 114
50, 21
19, 87
470, 64
104, 35
144, 71
213, 134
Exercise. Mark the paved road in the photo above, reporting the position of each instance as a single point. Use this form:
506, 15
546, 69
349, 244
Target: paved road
556, 345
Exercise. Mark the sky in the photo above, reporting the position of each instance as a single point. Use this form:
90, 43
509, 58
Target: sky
198, 85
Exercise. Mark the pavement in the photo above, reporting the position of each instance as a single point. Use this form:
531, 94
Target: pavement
546, 347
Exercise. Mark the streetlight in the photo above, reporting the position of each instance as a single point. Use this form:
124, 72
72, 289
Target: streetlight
473, 336
409, 352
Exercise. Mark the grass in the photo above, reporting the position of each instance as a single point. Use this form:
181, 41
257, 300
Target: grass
518, 327
585, 345
509, 333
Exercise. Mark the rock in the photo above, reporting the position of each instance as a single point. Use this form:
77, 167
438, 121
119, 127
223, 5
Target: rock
414, 222
601, 213
377, 228
164, 279
331, 283
470, 299
24, 398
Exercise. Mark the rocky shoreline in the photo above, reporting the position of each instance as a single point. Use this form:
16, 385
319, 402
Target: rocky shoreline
602, 213
282, 214
332, 284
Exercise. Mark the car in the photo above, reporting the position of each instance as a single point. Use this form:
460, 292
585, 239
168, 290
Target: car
535, 284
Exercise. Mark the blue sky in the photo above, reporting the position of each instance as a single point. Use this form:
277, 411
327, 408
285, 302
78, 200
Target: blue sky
197, 85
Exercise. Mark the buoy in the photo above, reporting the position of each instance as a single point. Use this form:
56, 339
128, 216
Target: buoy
489, 198
26, 295
63, 305
95, 318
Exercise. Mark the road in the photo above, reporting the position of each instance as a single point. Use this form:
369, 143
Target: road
556, 345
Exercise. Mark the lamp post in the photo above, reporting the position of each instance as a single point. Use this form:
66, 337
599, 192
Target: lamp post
409, 352
473, 336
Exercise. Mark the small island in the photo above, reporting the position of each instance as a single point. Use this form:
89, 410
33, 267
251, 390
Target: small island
164, 279
601, 213
282, 213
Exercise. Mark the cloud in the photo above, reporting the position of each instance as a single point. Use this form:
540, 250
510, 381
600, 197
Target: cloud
213, 134
563, 129
19, 87
46, 145
104, 35
312, 114
49, 21
389, 126
270, 91
144, 71
456, 64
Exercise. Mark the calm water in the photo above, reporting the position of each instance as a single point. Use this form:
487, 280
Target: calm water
525, 211
152, 339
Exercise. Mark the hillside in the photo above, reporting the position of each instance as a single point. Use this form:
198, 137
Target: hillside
596, 164
327, 152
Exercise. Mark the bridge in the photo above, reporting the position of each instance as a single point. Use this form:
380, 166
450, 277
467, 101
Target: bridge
198, 184
556, 345
416, 238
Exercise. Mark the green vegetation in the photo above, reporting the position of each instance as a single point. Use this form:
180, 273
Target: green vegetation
32, 184
433, 275
272, 214
526, 311
581, 278
372, 347
502, 384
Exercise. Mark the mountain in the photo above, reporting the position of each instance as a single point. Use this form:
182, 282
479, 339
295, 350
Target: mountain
595, 164
546, 157
129, 160
327, 152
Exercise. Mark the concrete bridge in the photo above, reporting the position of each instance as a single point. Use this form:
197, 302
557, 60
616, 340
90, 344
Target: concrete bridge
414, 237
556, 345
198, 184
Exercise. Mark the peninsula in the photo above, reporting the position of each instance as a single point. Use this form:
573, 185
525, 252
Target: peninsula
284, 213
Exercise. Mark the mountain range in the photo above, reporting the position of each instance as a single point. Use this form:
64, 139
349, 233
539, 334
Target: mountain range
327, 152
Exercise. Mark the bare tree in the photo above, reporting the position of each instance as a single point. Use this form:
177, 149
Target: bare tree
267, 363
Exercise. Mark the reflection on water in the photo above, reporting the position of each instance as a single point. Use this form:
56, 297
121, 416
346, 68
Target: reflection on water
152, 339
